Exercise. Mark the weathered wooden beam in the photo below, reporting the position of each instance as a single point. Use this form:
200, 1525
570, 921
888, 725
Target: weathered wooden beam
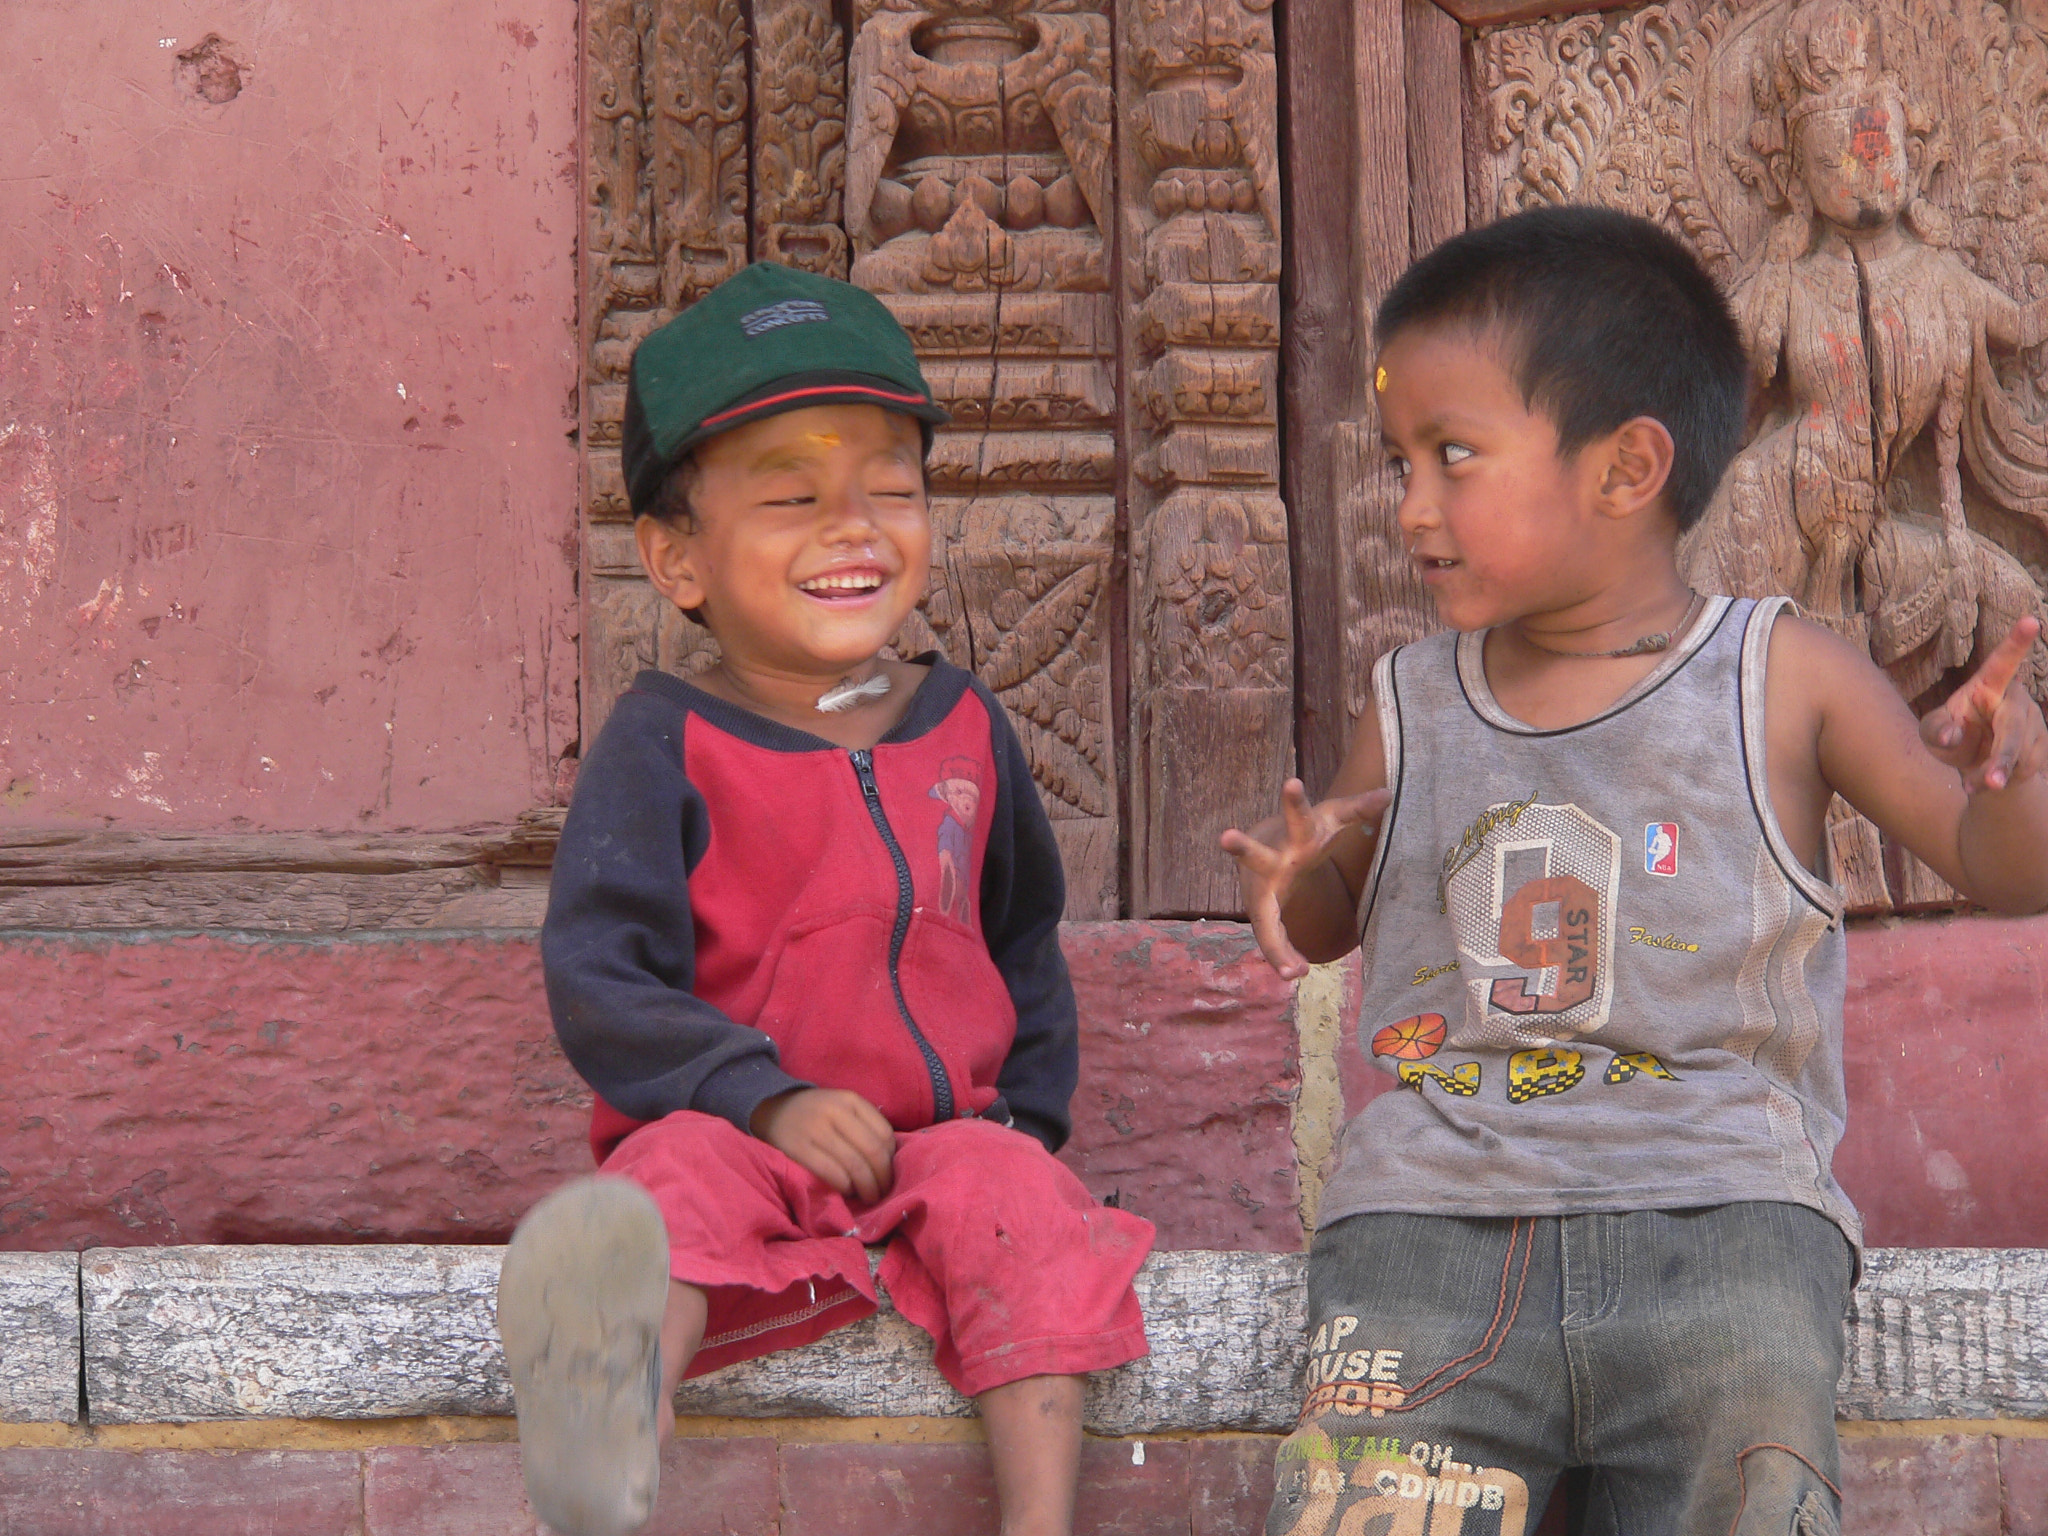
39, 1338
180, 1334
1381, 602
31, 856
284, 882
1322, 349
1433, 47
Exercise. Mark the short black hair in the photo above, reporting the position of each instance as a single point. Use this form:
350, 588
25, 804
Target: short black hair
672, 503
1604, 318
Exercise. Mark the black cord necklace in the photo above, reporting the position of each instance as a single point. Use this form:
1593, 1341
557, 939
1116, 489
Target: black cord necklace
1647, 645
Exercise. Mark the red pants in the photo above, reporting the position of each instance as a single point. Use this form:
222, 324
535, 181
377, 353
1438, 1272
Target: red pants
995, 1248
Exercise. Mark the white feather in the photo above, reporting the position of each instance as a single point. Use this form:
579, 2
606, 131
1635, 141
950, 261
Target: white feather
844, 696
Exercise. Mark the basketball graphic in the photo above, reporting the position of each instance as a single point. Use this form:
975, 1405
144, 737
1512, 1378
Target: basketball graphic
1411, 1039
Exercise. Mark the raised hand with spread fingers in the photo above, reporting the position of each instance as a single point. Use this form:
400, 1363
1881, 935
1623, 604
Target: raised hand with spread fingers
1302, 870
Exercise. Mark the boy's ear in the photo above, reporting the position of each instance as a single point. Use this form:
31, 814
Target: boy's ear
668, 559
1635, 465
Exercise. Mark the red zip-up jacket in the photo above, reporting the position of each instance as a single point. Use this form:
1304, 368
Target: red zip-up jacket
739, 908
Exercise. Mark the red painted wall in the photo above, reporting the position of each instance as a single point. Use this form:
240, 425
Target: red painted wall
1948, 1082
192, 1090
408, 1089
287, 373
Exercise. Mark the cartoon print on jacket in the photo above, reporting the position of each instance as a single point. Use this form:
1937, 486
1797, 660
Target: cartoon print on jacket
959, 789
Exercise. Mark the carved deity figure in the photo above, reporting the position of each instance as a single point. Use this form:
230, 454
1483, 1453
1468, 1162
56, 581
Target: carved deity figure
1872, 342
984, 125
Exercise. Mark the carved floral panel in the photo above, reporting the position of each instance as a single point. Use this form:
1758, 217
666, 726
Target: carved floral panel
1866, 178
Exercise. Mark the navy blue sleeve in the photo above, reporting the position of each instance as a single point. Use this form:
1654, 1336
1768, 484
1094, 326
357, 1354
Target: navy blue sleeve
1023, 892
618, 947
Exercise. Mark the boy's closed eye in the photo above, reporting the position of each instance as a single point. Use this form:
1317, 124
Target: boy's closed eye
897, 474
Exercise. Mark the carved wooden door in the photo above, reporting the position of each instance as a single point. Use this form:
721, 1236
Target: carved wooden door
1083, 237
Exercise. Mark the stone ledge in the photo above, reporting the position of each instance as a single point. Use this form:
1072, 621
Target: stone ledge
175, 1335
1948, 1333
39, 1338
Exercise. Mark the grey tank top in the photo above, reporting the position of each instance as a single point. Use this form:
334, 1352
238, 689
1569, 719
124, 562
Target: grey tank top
1601, 974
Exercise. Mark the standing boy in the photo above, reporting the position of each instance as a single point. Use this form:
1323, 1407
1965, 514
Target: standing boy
1581, 842
802, 940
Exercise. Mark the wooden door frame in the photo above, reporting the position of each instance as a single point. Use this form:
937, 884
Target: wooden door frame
1374, 175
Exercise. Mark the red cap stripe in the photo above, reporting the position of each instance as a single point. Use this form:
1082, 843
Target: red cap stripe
816, 389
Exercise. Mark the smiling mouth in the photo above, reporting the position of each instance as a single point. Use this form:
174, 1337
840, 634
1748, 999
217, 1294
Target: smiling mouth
843, 586
1429, 563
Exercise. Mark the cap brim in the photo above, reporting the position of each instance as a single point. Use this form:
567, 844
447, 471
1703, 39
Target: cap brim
796, 394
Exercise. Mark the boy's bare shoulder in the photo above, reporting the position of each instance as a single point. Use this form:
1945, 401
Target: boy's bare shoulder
1800, 640
1810, 668
1826, 682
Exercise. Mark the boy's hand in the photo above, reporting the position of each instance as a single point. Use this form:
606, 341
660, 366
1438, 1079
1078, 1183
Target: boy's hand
836, 1134
1275, 854
1990, 729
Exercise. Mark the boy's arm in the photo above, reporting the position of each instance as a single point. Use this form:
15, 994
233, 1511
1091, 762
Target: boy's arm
1303, 871
1962, 789
618, 945
1023, 892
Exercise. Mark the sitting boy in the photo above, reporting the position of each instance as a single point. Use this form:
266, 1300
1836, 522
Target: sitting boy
803, 941
1582, 844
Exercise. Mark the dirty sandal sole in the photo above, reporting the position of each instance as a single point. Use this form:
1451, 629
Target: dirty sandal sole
580, 1302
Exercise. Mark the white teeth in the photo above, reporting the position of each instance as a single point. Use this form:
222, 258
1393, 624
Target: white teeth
865, 583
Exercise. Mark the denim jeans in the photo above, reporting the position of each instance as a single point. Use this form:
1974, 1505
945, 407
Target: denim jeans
1457, 1366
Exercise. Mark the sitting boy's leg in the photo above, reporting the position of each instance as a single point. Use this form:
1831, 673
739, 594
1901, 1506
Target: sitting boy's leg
1034, 1436
599, 1330
763, 1241
1437, 1394
580, 1309
1000, 1253
682, 1331
1710, 1342
1024, 1284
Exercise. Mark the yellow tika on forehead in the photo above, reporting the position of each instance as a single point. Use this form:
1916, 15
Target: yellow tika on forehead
1379, 382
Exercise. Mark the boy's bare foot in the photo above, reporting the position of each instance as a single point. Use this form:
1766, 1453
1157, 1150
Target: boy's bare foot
580, 1304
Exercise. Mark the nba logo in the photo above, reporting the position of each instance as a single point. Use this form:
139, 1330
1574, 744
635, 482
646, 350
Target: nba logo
1660, 848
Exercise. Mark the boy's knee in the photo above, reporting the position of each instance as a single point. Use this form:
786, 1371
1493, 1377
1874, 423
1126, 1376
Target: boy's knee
978, 1165
973, 1149
1778, 1492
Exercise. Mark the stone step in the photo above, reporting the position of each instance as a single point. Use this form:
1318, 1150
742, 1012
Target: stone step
1900, 1482
178, 1335
39, 1338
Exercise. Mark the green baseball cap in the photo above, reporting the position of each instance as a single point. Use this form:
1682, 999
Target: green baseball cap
768, 339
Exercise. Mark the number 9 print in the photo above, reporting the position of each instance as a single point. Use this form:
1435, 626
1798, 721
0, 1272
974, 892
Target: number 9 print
1539, 901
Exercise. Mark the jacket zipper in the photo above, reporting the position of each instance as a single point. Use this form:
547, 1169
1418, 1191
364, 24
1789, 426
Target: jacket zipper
942, 1087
